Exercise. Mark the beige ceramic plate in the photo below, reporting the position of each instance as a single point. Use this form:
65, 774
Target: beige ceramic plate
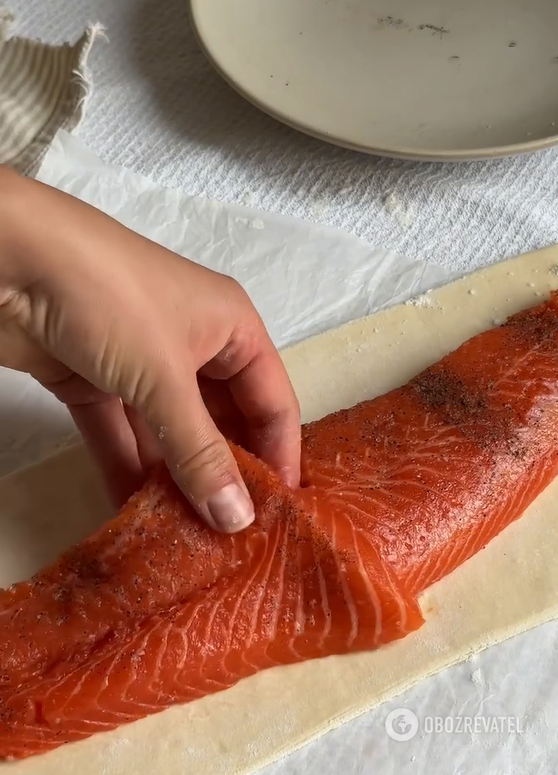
428, 79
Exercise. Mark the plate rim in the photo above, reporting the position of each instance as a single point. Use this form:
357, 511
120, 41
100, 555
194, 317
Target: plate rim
396, 152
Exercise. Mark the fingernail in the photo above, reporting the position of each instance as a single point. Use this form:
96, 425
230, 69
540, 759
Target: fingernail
231, 509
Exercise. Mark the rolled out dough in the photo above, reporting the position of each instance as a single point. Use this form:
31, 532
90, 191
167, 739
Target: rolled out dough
507, 588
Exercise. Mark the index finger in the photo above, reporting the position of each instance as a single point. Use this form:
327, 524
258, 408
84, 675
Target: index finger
264, 394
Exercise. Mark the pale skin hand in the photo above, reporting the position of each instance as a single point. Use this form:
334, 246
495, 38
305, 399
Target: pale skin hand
151, 353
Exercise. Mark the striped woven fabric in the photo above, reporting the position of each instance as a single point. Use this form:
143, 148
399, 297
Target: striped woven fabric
43, 88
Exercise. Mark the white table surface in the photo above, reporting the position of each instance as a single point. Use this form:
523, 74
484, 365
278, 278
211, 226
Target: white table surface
159, 109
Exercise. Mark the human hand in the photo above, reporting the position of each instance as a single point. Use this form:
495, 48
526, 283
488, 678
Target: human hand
153, 355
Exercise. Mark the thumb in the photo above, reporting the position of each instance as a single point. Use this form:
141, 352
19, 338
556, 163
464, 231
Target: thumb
199, 458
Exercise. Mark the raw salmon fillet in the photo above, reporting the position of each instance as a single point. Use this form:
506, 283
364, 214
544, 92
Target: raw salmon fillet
154, 609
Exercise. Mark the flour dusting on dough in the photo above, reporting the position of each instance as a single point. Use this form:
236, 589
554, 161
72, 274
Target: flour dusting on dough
421, 301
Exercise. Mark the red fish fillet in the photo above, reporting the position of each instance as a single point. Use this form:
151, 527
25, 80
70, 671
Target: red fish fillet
398, 491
